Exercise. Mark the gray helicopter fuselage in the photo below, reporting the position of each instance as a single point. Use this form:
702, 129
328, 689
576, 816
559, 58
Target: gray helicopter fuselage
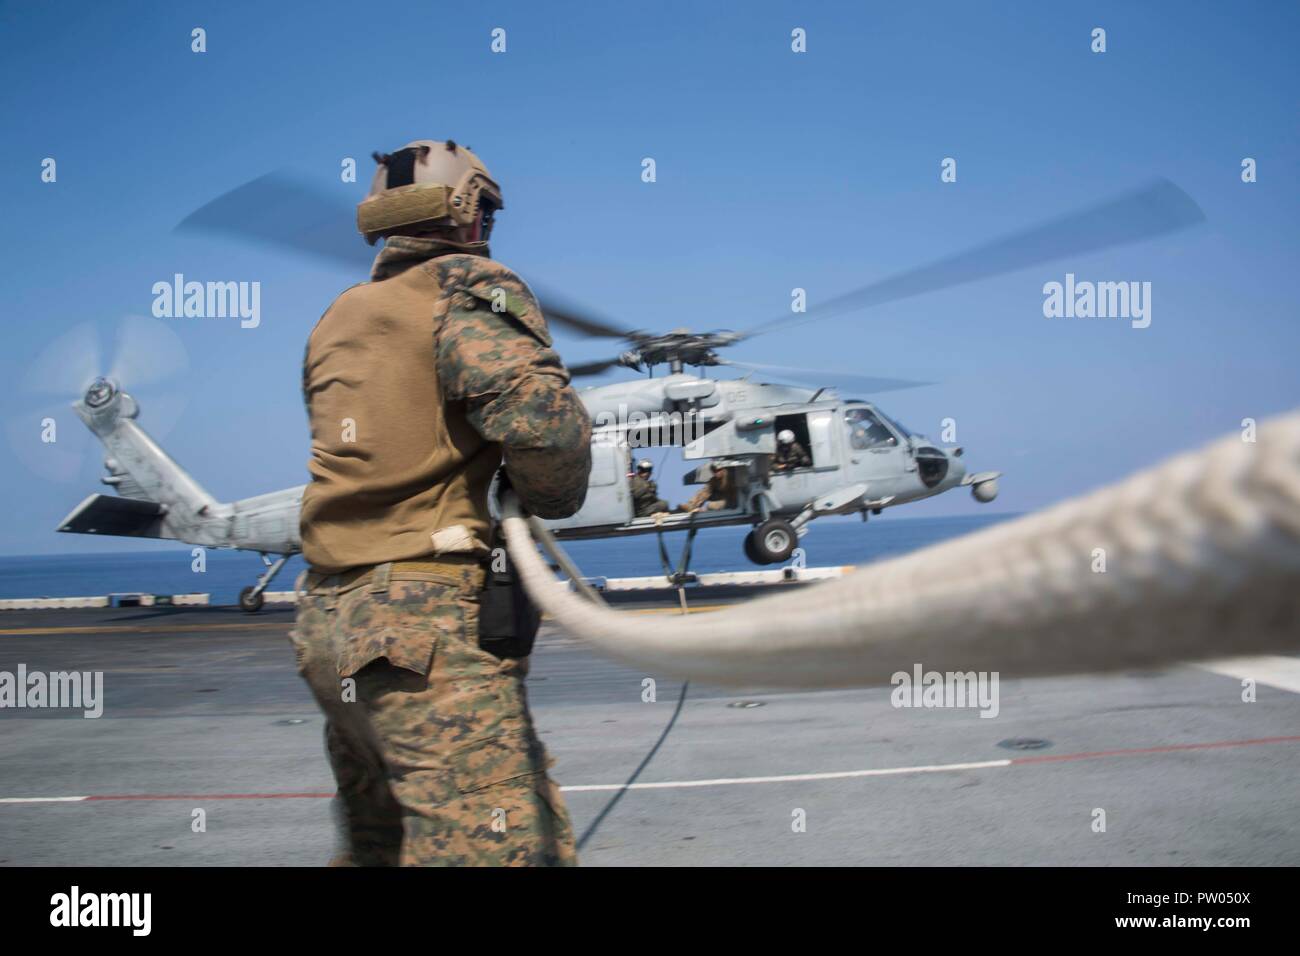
861, 459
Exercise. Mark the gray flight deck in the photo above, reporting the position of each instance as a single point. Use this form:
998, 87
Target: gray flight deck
204, 710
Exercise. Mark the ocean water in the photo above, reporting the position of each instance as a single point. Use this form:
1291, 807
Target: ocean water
828, 542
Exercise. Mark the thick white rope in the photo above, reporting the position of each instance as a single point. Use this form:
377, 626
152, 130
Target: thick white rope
1201, 557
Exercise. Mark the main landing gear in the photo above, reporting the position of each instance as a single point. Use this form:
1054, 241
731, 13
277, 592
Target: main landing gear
771, 542
251, 598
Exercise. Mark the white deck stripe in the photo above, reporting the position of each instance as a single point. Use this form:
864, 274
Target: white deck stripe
680, 784
789, 778
1270, 670
783, 778
40, 799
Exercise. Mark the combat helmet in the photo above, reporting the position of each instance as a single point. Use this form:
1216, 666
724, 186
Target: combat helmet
430, 184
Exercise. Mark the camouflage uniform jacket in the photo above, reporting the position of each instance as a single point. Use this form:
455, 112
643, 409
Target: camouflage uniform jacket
417, 384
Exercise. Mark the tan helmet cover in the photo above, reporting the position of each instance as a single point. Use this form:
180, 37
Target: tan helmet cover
449, 187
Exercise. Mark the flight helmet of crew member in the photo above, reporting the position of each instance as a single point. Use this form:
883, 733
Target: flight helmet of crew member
430, 188
644, 467
785, 437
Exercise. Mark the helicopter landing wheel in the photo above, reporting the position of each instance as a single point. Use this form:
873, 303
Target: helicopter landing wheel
772, 542
250, 602
749, 549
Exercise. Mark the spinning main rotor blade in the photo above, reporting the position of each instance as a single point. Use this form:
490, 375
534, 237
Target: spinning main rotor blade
560, 312
829, 378
1152, 210
279, 209
591, 368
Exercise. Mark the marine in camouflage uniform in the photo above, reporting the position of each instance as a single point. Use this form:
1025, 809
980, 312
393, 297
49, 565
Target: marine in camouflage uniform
645, 492
715, 495
418, 385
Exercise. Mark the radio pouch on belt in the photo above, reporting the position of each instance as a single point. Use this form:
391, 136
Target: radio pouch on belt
508, 620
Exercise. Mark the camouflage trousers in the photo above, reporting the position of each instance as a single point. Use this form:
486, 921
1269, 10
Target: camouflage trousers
429, 736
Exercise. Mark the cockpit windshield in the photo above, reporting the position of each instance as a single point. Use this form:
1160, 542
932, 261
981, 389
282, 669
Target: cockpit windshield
898, 426
867, 430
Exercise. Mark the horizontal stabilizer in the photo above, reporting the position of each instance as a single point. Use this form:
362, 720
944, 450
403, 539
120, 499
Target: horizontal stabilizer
107, 514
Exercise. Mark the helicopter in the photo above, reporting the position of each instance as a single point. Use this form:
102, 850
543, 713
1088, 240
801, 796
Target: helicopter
861, 461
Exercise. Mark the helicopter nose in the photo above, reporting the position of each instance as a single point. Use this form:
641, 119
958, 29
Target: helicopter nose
956, 467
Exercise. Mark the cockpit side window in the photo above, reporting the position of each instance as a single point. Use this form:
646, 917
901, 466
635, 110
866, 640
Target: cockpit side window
866, 430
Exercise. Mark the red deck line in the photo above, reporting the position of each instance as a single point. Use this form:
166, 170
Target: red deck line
1138, 751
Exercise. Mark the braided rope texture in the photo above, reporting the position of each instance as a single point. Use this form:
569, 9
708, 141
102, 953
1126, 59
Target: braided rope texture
1201, 559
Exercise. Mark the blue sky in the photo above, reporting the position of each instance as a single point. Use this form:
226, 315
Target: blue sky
775, 170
